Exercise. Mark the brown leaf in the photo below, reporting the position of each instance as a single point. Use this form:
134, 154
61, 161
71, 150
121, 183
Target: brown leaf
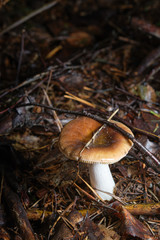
83, 228
65, 232
79, 39
134, 227
73, 81
109, 234
94, 232
130, 225
147, 93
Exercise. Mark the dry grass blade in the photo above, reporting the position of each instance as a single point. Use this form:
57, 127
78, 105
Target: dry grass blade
92, 189
58, 122
71, 96
65, 211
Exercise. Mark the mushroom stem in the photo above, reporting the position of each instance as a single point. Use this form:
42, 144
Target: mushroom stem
101, 180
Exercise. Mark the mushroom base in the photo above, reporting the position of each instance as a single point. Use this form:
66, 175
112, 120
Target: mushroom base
101, 180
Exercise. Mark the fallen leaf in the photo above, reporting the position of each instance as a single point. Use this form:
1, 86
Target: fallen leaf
131, 226
79, 39
134, 227
97, 232
109, 234
75, 226
66, 232
146, 92
53, 52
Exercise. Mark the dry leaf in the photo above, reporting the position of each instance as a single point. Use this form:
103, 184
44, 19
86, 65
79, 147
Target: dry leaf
94, 232
131, 226
109, 234
80, 39
66, 232
146, 92
78, 227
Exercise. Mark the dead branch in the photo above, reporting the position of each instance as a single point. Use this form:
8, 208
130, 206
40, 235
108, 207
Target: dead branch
156, 162
29, 16
18, 213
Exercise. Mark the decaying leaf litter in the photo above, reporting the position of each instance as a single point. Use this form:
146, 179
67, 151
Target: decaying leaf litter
65, 59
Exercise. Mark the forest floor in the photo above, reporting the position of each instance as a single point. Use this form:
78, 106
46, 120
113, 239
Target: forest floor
64, 59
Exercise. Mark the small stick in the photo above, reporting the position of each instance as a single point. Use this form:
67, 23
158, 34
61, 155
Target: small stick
29, 16
98, 130
113, 114
20, 57
58, 122
146, 26
71, 96
60, 216
144, 209
28, 81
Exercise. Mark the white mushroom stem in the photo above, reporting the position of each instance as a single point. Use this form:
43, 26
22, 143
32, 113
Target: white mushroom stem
101, 180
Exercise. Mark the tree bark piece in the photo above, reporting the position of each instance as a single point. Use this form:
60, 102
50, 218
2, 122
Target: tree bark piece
18, 213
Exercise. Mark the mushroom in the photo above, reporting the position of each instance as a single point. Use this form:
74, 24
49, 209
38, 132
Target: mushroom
86, 140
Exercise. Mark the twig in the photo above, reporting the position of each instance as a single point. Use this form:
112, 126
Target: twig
58, 122
151, 74
20, 57
28, 81
63, 213
149, 60
103, 121
29, 16
146, 26
129, 136
21, 98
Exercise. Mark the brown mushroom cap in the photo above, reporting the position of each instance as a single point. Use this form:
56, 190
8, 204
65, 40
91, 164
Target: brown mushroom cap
108, 146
